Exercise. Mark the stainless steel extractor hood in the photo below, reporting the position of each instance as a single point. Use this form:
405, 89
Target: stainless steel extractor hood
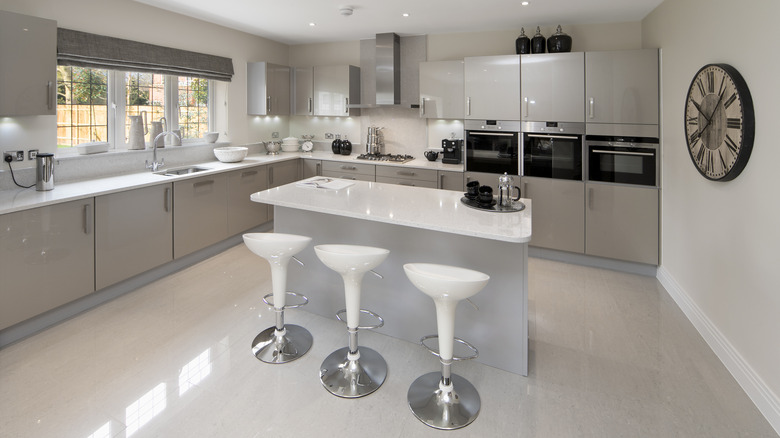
388, 69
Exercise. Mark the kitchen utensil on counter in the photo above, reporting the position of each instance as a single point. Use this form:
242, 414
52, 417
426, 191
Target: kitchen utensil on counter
485, 195
290, 144
176, 137
537, 42
44, 172
335, 146
211, 137
308, 144
375, 140
506, 189
272, 147
472, 189
346, 146
138, 129
559, 42
158, 128
452, 151
431, 155
523, 43
231, 154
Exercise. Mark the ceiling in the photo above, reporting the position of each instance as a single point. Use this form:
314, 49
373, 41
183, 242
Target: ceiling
288, 21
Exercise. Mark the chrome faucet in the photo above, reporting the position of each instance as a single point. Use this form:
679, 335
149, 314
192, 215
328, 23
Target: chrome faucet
155, 166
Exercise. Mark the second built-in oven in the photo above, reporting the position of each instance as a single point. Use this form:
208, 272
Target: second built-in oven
492, 146
623, 160
553, 150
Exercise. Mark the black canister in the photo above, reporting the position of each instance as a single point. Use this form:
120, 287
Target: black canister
346, 146
523, 43
537, 42
559, 42
336, 145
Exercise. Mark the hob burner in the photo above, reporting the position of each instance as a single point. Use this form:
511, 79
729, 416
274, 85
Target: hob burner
392, 158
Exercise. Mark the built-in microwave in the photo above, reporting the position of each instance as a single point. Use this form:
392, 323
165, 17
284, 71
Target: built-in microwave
492, 146
553, 150
623, 160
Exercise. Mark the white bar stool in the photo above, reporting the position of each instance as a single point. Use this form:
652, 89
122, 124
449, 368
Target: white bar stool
280, 343
353, 371
432, 397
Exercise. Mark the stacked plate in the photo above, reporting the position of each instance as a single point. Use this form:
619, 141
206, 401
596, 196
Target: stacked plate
290, 144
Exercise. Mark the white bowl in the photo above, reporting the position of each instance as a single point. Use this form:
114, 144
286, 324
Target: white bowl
230, 154
290, 147
211, 137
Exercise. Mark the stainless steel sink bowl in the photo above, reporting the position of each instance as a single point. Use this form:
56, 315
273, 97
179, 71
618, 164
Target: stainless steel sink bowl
182, 171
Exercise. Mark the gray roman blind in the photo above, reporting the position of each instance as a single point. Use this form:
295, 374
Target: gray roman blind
84, 49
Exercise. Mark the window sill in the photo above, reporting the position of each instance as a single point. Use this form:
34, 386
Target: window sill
71, 152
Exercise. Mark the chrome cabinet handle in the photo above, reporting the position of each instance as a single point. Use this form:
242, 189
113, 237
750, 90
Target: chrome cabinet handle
564, 137
310, 106
422, 106
203, 183
167, 200
268, 104
468, 106
346, 105
318, 172
492, 134
87, 218
644, 154
591, 105
348, 167
406, 184
525, 189
525, 107
405, 173
49, 95
348, 177
441, 181
248, 173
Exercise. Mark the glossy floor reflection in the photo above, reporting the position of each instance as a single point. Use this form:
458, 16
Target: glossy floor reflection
611, 356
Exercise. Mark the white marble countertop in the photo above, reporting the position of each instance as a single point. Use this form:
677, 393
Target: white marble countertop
22, 199
432, 209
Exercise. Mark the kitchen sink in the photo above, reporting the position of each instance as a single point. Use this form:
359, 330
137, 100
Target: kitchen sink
182, 171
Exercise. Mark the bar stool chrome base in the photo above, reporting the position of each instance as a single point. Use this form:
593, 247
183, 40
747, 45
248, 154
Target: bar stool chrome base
443, 409
353, 378
271, 346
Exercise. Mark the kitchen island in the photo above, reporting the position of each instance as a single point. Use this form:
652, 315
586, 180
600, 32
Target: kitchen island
416, 225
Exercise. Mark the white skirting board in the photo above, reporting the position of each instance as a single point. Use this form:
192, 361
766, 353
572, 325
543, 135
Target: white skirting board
762, 396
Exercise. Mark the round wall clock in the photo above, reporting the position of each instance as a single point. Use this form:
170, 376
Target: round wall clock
719, 122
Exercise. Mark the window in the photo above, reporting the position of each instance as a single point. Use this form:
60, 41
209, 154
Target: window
96, 105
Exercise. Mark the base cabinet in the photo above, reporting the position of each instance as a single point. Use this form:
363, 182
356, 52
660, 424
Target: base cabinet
621, 222
244, 214
200, 213
311, 168
451, 180
559, 213
407, 176
133, 233
359, 171
47, 258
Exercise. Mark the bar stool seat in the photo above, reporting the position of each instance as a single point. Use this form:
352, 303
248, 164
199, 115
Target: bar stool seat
432, 397
281, 343
353, 371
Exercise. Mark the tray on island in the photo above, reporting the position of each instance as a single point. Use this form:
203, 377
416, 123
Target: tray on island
493, 206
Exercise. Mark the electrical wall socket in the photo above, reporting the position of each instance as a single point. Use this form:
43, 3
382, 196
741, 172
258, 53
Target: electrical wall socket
32, 153
15, 155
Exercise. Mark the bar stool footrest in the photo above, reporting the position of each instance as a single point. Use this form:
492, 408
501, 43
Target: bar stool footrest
287, 306
454, 358
362, 327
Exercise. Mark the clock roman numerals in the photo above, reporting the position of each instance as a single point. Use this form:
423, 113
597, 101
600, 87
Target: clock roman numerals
693, 120
731, 145
695, 136
701, 88
710, 81
730, 100
734, 123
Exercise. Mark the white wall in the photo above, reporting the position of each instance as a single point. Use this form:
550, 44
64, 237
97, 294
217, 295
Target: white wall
131, 20
720, 240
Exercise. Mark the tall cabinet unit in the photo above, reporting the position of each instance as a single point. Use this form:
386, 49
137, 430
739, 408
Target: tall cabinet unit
47, 258
621, 87
492, 87
303, 91
268, 89
28, 72
552, 87
441, 90
335, 88
128, 242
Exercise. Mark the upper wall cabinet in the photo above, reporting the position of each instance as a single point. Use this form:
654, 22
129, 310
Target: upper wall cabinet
492, 85
268, 89
552, 87
441, 90
622, 87
326, 91
28, 72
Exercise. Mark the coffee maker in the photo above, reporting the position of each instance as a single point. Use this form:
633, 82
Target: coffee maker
452, 151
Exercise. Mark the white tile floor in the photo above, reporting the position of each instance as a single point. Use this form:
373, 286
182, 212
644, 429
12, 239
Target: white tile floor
611, 356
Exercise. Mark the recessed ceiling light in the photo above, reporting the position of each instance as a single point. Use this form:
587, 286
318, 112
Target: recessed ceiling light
312, 24
525, 3
405, 14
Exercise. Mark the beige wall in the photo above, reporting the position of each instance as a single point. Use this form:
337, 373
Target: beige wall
720, 239
139, 22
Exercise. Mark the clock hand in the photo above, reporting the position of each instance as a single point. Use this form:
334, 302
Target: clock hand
700, 110
720, 97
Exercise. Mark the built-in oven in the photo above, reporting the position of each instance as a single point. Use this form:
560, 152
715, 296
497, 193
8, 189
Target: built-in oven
492, 146
623, 160
553, 150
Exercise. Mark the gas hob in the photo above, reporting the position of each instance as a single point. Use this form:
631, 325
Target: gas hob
390, 158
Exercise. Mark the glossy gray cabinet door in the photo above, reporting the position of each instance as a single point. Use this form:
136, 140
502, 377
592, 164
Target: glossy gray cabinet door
335, 87
200, 213
559, 213
47, 258
552, 87
268, 89
28, 70
441, 90
451, 180
133, 233
244, 214
312, 168
303, 96
283, 173
492, 87
622, 87
621, 222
